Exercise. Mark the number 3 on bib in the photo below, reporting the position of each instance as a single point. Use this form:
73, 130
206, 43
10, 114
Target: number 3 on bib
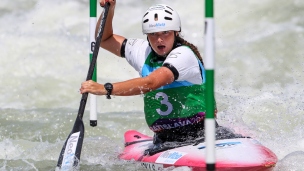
164, 101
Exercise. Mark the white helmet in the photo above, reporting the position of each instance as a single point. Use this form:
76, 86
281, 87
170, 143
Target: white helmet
160, 17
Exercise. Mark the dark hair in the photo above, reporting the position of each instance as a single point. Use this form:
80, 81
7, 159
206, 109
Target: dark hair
191, 46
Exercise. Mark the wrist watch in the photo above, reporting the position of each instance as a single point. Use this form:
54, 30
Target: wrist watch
109, 88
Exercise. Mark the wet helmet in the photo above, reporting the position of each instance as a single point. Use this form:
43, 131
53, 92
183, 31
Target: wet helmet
160, 17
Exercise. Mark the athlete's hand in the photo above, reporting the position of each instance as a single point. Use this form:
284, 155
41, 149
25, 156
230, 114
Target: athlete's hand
103, 2
93, 88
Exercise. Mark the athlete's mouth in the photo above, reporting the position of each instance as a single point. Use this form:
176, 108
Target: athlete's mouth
161, 47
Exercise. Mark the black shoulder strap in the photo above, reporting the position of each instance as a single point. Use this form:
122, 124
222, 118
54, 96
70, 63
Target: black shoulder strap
122, 48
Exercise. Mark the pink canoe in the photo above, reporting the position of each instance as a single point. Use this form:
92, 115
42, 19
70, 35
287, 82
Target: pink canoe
239, 154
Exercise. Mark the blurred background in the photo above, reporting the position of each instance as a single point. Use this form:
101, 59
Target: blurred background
44, 57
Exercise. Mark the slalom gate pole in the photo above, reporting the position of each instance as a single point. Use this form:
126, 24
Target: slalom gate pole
93, 98
209, 66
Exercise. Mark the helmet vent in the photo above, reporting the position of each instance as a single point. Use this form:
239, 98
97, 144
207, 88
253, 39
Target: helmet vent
146, 14
170, 8
168, 18
168, 12
155, 17
146, 20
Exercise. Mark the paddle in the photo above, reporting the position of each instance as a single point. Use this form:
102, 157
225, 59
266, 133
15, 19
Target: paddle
69, 157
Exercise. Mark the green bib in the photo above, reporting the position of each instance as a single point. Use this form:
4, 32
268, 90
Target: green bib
171, 103
180, 99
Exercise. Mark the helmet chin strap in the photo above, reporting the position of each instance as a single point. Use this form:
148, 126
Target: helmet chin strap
175, 45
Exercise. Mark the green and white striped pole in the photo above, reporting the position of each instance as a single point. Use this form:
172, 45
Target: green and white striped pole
93, 98
209, 66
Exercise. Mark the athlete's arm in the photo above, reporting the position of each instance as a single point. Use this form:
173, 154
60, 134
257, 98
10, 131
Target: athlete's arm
160, 77
109, 41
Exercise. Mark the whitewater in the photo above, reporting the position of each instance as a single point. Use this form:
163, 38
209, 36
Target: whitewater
44, 57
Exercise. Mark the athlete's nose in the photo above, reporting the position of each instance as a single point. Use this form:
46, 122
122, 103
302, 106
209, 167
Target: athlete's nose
159, 39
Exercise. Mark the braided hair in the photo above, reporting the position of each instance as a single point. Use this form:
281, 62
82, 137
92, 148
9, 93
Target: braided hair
182, 41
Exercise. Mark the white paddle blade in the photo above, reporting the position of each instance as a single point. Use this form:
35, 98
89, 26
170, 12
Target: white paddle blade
69, 158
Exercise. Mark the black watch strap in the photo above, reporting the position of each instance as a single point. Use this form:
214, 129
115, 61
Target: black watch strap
109, 88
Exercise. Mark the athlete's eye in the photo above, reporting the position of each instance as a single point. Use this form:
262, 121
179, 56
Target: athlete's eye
151, 34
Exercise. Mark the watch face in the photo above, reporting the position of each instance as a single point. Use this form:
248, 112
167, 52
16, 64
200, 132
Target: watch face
108, 86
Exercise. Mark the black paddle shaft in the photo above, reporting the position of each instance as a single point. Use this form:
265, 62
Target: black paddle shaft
84, 98
78, 125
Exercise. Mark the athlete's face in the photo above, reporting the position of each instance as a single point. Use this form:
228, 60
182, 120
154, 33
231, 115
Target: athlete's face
161, 42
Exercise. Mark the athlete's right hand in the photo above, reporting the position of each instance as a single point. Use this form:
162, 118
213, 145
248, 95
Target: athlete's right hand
93, 88
103, 2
